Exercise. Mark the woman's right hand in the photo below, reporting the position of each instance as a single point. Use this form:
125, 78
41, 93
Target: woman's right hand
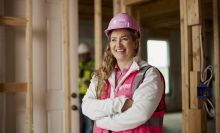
128, 103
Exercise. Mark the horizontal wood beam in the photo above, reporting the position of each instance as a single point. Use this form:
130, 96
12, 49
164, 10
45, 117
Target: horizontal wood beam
13, 21
13, 87
159, 7
133, 2
169, 20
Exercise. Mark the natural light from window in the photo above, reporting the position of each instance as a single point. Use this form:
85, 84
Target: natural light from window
158, 55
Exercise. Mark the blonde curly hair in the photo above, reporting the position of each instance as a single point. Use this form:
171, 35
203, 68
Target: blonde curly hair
109, 62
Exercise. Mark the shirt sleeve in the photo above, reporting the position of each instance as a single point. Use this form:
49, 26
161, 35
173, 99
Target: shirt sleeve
146, 98
96, 109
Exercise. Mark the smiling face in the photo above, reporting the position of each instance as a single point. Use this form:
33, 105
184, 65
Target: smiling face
122, 45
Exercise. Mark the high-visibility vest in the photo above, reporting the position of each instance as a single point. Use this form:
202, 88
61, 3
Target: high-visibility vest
85, 71
155, 123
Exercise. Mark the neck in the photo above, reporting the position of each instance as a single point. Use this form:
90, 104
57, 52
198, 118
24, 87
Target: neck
122, 65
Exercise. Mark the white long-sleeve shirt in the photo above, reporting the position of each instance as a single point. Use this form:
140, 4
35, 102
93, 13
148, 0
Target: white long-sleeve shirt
107, 113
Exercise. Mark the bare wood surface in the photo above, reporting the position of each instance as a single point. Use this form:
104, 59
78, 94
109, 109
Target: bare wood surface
132, 2
216, 29
189, 46
29, 68
13, 87
98, 33
13, 21
66, 45
196, 52
116, 6
193, 12
184, 65
197, 122
194, 79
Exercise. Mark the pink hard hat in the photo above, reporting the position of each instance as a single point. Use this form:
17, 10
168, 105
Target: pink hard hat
122, 20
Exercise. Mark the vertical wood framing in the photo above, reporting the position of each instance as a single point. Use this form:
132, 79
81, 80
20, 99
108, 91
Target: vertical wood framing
216, 29
67, 98
196, 122
123, 6
184, 64
191, 60
29, 68
194, 79
98, 33
196, 52
116, 6
74, 62
193, 12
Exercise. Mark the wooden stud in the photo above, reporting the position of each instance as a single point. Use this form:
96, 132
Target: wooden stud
98, 33
184, 64
197, 122
216, 29
188, 39
116, 6
123, 6
29, 67
66, 45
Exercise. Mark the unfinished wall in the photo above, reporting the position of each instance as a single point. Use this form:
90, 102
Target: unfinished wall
12, 47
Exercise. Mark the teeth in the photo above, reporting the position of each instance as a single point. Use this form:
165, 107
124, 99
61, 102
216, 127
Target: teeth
120, 50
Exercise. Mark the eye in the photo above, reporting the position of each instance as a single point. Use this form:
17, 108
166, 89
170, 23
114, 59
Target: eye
124, 38
113, 39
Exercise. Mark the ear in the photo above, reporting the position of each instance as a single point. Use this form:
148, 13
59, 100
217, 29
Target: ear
137, 44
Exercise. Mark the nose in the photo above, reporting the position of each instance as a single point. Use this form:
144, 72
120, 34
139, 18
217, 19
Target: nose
118, 43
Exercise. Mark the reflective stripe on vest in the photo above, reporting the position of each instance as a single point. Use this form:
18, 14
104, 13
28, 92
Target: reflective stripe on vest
139, 77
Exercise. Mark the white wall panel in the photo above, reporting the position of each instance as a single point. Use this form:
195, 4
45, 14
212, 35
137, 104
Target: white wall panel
56, 122
54, 55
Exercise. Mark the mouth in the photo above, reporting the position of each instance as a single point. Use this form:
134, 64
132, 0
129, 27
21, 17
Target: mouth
120, 50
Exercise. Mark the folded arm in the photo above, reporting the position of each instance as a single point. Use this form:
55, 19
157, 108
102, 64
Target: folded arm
145, 101
96, 109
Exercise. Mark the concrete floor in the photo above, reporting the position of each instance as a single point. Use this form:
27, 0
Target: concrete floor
173, 123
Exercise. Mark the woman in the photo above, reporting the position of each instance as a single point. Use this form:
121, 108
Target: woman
109, 101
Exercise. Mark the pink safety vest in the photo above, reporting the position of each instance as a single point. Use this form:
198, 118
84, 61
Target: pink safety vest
154, 124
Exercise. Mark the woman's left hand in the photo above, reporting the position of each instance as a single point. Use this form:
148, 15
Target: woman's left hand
128, 103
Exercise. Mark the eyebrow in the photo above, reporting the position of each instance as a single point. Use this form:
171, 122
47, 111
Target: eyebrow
121, 36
